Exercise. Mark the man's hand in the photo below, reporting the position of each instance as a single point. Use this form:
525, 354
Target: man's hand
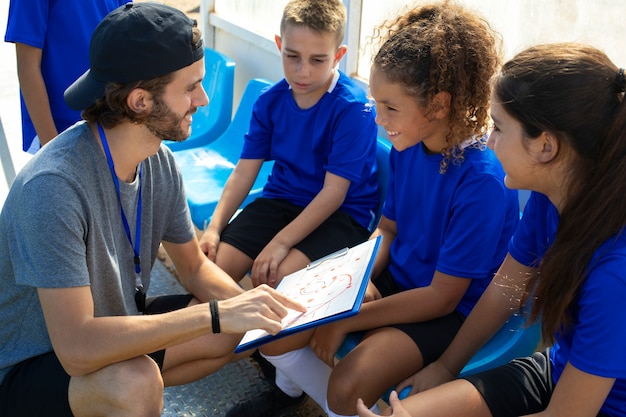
260, 308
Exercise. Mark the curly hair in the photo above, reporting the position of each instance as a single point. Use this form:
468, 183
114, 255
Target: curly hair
443, 47
322, 16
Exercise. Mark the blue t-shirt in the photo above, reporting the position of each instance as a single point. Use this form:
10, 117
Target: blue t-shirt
336, 135
458, 223
596, 343
62, 30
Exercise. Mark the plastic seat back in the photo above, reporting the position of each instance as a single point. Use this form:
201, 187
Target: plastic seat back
513, 340
383, 147
206, 168
210, 121
523, 196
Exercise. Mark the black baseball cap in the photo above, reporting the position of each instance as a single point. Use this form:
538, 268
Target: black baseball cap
137, 41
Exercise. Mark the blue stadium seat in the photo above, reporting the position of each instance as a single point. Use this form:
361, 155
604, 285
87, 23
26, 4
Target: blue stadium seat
210, 121
206, 168
513, 340
383, 147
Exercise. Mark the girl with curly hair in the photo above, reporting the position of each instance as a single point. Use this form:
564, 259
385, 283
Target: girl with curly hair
560, 131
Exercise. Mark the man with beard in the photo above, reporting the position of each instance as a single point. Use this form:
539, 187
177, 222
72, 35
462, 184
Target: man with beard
80, 230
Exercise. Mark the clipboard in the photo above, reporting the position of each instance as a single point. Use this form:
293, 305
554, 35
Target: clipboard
331, 288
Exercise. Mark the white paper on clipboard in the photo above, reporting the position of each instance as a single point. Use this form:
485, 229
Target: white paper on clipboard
331, 288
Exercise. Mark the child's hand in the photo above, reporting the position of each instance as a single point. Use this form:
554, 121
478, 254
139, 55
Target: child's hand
395, 410
429, 377
326, 341
371, 293
265, 267
208, 243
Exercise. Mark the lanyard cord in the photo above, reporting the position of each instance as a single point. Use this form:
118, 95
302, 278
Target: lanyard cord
137, 259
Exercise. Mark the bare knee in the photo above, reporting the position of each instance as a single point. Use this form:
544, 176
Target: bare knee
344, 387
133, 387
145, 388
233, 261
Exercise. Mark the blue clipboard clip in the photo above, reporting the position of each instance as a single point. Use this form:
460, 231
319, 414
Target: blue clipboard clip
335, 255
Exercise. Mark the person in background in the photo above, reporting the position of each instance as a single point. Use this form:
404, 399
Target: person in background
81, 227
446, 220
559, 130
52, 48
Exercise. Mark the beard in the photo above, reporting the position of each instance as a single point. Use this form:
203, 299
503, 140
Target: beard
165, 124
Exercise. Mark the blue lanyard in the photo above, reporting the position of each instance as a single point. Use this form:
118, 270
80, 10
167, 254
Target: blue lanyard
137, 259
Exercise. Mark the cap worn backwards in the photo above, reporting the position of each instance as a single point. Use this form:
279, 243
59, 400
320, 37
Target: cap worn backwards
137, 41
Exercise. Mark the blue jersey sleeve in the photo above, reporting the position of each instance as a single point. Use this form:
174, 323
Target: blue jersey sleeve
28, 22
597, 341
600, 325
535, 232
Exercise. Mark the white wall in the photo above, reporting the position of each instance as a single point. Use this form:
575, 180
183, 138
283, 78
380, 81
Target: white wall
255, 56
520, 22
523, 23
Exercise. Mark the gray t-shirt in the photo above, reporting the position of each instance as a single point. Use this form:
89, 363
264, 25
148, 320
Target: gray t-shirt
61, 227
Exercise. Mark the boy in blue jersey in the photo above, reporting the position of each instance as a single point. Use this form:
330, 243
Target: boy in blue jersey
52, 47
319, 128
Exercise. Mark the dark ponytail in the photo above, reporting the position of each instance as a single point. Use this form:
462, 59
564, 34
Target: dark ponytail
572, 91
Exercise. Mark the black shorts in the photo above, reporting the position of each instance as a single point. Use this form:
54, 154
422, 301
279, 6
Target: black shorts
431, 337
262, 219
165, 304
39, 386
523, 386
